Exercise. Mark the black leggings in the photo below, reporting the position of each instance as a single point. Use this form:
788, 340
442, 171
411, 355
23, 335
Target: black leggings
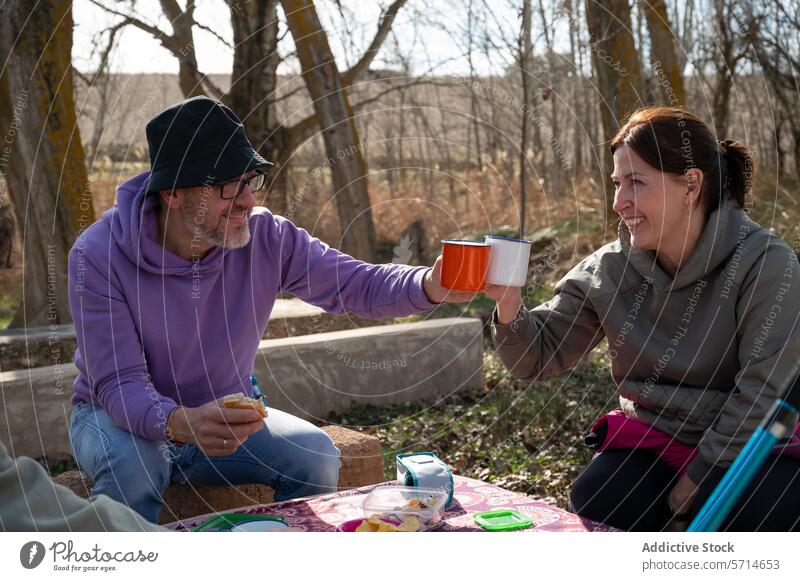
628, 489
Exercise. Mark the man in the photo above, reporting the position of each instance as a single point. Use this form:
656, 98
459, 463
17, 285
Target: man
171, 292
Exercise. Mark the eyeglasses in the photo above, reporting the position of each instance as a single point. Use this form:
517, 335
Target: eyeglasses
256, 183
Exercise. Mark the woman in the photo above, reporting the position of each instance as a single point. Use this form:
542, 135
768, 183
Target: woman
699, 305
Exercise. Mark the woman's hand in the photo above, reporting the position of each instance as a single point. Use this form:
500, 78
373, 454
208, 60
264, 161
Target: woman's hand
508, 299
680, 500
437, 293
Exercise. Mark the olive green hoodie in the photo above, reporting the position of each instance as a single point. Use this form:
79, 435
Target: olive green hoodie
700, 356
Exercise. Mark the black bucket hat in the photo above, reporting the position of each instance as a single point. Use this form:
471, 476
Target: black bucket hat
198, 142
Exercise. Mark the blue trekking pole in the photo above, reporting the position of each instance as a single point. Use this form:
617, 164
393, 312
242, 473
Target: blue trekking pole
779, 423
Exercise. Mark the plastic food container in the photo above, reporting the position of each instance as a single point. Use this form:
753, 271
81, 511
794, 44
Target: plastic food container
398, 502
503, 519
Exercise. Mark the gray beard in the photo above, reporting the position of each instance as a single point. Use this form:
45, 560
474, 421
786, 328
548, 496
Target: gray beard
201, 231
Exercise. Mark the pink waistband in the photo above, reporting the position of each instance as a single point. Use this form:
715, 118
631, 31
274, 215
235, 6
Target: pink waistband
616, 431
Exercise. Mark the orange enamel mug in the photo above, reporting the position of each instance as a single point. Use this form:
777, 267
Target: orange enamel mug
464, 265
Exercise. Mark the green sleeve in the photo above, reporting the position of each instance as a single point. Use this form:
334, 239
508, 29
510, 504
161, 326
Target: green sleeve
31, 501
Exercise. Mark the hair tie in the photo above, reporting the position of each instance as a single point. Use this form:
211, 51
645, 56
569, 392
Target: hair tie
723, 169
724, 144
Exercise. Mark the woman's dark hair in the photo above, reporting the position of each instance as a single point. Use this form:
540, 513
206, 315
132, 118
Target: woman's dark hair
673, 140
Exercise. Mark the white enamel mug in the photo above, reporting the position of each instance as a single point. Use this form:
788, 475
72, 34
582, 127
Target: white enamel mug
508, 264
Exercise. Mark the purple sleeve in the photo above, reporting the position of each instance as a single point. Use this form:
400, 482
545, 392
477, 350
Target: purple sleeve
318, 274
112, 360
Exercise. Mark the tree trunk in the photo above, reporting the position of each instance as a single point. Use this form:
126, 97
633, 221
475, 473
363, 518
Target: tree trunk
190, 78
578, 95
525, 60
335, 117
558, 168
664, 58
43, 162
616, 64
254, 84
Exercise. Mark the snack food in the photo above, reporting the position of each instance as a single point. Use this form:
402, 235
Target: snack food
377, 524
241, 401
399, 504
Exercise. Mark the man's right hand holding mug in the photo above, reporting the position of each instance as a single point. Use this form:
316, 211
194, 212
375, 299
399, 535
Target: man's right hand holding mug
216, 430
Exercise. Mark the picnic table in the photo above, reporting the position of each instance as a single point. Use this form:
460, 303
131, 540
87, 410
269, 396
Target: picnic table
326, 512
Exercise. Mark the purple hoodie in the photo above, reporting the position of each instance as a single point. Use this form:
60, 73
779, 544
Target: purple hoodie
156, 331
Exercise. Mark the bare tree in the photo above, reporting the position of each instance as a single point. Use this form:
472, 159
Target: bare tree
180, 43
254, 86
100, 81
46, 175
525, 62
773, 36
618, 72
722, 50
335, 118
663, 55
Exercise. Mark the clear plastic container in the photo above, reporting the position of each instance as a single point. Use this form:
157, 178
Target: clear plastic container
400, 502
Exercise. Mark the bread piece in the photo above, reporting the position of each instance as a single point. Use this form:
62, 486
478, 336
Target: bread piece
242, 402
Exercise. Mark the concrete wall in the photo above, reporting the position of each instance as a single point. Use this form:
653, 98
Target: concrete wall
309, 376
43, 346
314, 375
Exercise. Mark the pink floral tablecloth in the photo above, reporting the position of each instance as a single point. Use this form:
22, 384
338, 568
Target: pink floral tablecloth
325, 513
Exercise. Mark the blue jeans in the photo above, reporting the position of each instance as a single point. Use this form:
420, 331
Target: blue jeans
290, 455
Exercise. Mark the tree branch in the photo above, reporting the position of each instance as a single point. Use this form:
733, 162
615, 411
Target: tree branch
140, 24
209, 30
212, 88
301, 131
384, 26
293, 92
414, 83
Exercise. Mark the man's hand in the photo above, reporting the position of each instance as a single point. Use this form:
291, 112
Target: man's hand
680, 501
216, 430
437, 293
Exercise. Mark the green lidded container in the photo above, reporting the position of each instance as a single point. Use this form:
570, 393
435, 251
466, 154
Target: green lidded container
501, 520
